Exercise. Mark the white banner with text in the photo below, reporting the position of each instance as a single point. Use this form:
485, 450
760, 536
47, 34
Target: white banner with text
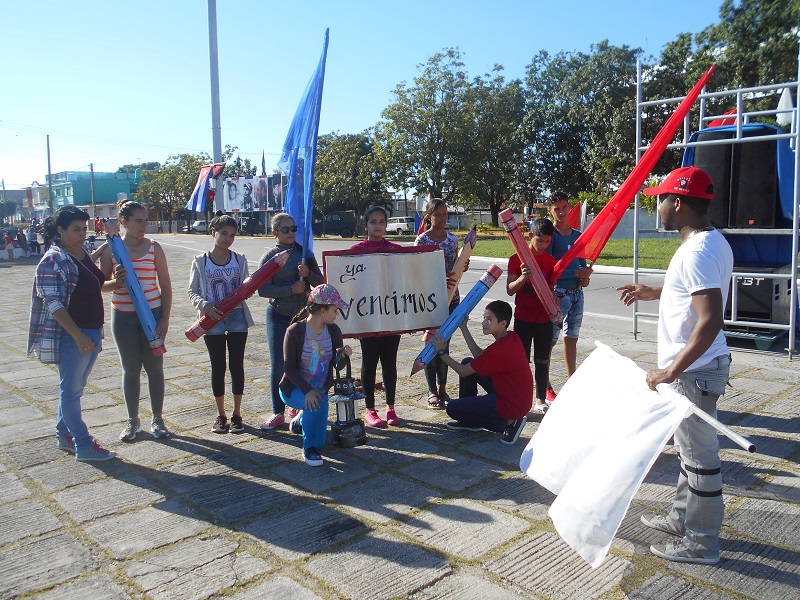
389, 292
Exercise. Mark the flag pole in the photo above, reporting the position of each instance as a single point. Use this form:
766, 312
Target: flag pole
724, 429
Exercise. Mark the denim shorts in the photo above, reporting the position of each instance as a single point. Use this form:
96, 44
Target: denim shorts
572, 309
233, 322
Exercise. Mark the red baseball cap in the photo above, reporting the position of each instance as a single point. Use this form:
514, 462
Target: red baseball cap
686, 181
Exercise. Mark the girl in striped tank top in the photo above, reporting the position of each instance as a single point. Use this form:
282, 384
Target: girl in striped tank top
150, 266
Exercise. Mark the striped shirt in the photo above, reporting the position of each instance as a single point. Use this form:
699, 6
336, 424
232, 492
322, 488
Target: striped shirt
145, 270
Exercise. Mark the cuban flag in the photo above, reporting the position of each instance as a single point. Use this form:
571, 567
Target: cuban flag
197, 201
300, 155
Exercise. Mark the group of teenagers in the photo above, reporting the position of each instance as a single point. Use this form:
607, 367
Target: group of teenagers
305, 345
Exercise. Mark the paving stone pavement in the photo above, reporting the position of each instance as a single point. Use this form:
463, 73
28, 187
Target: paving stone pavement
420, 511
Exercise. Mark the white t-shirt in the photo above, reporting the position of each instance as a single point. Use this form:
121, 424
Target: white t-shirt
221, 280
702, 262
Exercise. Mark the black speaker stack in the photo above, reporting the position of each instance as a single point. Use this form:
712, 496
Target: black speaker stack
745, 177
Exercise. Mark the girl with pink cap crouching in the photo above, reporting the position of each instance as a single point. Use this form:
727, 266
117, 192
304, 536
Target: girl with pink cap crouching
309, 347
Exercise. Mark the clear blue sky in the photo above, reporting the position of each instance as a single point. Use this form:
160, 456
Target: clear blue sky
115, 83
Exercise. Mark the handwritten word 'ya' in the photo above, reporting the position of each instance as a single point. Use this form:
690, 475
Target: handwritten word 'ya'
350, 272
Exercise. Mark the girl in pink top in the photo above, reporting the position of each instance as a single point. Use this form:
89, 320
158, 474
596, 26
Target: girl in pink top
378, 348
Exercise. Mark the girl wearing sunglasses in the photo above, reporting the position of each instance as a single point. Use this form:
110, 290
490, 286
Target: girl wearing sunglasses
287, 291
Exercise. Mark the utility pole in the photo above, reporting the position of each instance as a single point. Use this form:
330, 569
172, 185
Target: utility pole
213, 59
216, 126
49, 178
91, 170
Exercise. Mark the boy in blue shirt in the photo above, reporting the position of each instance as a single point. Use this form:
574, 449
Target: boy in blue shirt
569, 286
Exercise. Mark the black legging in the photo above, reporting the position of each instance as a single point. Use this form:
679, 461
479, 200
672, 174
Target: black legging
540, 335
216, 352
383, 349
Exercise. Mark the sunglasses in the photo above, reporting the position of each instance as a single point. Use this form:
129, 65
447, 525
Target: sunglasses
293, 229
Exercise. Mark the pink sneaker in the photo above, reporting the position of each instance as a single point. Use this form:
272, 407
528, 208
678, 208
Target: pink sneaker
273, 422
373, 420
550, 396
391, 416
291, 413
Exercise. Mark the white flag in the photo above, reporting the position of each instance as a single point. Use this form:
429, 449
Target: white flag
595, 446
785, 103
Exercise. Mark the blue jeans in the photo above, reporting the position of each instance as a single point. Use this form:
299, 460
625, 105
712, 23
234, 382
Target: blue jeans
73, 373
314, 422
277, 324
572, 308
474, 410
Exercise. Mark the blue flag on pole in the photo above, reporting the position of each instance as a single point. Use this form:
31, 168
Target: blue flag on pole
300, 155
197, 201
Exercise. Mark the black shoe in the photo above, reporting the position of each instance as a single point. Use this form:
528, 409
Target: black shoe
511, 434
236, 424
459, 426
312, 457
221, 425
295, 426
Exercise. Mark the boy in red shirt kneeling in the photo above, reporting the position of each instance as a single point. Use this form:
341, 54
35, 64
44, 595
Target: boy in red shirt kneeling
501, 370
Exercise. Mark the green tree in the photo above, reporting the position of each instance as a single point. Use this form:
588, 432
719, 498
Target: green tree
602, 97
8, 208
235, 165
148, 166
553, 143
755, 42
348, 174
168, 188
498, 109
424, 132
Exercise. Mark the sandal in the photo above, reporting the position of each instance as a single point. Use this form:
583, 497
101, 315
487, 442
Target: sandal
434, 402
444, 398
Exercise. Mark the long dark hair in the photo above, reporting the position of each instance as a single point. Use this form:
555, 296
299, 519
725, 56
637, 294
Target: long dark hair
432, 206
308, 309
63, 218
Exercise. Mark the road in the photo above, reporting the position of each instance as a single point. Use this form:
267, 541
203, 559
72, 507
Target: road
602, 308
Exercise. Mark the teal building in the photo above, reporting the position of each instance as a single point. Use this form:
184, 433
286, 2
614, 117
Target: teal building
75, 187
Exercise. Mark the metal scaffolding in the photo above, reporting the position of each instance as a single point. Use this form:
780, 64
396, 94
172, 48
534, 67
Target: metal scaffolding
742, 117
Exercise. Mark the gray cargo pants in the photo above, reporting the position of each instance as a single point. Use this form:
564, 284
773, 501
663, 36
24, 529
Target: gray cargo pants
698, 509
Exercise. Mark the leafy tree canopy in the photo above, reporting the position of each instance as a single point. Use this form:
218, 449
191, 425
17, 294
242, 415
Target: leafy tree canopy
348, 173
148, 166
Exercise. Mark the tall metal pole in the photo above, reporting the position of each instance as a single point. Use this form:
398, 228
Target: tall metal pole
91, 171
49, 178
216, 127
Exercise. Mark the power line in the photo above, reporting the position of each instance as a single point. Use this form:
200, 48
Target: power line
90, 138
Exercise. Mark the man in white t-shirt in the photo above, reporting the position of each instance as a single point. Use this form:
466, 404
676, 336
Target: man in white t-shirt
693, 354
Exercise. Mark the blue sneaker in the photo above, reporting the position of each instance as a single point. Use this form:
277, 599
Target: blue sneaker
94, 453
312, 457
66, 443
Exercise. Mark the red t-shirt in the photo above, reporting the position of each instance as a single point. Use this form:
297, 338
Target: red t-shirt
527, 306
376, 246
506, 363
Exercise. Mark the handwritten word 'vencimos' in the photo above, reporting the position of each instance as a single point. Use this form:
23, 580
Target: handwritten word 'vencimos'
394, 304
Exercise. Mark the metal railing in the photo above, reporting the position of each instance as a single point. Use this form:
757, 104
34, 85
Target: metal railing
742, 117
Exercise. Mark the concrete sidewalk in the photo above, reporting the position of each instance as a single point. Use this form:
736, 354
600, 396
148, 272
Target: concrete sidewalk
420, 511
